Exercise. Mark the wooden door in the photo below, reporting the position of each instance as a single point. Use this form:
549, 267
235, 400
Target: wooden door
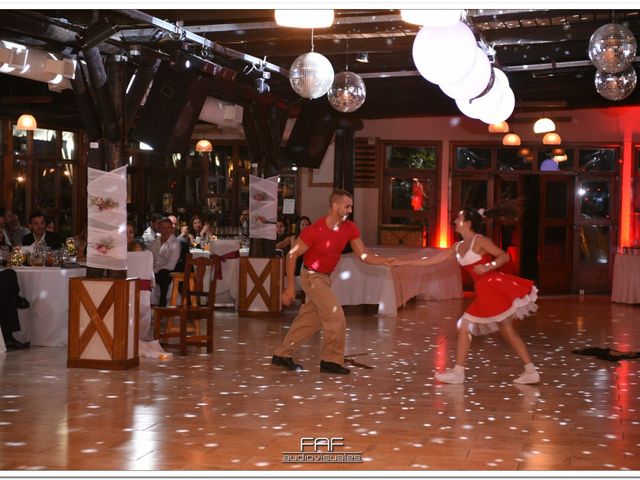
555, 258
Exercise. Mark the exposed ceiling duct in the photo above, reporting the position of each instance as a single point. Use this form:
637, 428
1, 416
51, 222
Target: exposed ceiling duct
36, 64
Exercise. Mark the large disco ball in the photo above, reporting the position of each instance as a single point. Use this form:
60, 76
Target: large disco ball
347, 93
616, 86
311, 75
612, 47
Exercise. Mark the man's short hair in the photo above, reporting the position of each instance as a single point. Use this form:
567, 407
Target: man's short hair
156, 216
35, 214
337, 194
166, 220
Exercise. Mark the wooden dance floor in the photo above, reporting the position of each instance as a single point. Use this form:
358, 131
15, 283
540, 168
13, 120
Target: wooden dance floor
233, 411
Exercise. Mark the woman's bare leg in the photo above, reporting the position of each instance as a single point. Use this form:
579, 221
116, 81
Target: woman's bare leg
511, 336
463, 343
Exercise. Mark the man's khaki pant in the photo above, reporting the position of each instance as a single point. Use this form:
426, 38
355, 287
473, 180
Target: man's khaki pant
322, 310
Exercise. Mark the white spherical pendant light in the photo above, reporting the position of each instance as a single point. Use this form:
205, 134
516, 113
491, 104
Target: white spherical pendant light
488, 102
503, 109
347, 93
311, 75
474, 83
432, 18
444, 54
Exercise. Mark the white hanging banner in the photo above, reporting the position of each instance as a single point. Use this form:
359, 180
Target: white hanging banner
263, 207
107, 219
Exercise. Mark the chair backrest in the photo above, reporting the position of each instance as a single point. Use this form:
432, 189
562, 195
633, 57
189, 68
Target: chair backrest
200, 278
184, 251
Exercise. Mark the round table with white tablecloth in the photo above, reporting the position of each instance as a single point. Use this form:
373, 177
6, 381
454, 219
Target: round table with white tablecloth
45, 322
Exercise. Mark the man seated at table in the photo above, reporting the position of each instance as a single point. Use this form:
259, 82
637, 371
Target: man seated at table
5, 240
38, 235
166, 253
14, 229
10, 301
151, 233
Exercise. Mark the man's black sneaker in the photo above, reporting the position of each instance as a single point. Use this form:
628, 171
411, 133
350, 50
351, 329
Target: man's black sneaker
286, 362
331, 367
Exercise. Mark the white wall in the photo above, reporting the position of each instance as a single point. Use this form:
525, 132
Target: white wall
612, 125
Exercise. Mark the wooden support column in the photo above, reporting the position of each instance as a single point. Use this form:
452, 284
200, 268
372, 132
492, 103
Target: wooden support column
344, 163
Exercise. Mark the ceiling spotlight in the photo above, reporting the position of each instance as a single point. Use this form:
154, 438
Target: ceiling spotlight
204, 145
363, 58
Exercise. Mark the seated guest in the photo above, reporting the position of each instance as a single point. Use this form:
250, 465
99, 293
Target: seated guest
166, 253
38, 235
151, 233
5, 240
14, 229
10, 301
49, 225
283, 240
132, 244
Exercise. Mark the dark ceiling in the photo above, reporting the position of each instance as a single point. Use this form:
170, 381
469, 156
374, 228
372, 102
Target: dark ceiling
543, 52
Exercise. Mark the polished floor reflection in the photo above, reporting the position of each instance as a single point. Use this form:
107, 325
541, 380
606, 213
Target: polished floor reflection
232, 410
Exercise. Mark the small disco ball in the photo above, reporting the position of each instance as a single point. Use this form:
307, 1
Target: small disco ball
347, 93
311, 75
616, 86
612, 47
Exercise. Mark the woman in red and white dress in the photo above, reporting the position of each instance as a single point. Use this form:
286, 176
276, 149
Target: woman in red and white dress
500, 297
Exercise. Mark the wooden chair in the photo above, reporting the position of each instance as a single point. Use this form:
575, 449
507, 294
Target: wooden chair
190, 311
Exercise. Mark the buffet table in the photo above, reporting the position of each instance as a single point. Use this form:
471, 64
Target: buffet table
626, 279
357, 283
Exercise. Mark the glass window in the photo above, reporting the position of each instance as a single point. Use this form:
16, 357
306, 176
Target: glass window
594, 244
409, 194
20, 141
68, 148
510, 159
594, 199
157, 186
45, 183
243, 157
420, 158
598, 160
220, 165
473, 158
507, 190
558, 163
473, 193
44, 142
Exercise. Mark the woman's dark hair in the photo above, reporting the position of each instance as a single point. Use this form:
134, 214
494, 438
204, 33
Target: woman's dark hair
196, 216
510, 209
303, 217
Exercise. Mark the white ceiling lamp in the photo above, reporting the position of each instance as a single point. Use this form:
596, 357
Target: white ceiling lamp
474, 83
26, 122
544, 125
551, 138
500, 127
444, 55
511, 140
304, 18
489, 101
503, 109
432, 18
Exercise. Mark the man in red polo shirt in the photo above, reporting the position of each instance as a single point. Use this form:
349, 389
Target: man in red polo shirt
322, 244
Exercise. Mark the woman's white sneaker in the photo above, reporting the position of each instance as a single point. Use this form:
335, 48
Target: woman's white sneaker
527, 378
450, 376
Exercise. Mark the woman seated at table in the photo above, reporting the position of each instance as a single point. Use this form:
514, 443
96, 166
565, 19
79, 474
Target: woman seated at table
132, 244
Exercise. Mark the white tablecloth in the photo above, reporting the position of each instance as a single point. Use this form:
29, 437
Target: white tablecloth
140, 264
357, 283
45, 323
626, 279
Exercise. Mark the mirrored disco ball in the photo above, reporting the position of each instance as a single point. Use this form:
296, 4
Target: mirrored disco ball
616, 86
347, 93
311, 75
612, 47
